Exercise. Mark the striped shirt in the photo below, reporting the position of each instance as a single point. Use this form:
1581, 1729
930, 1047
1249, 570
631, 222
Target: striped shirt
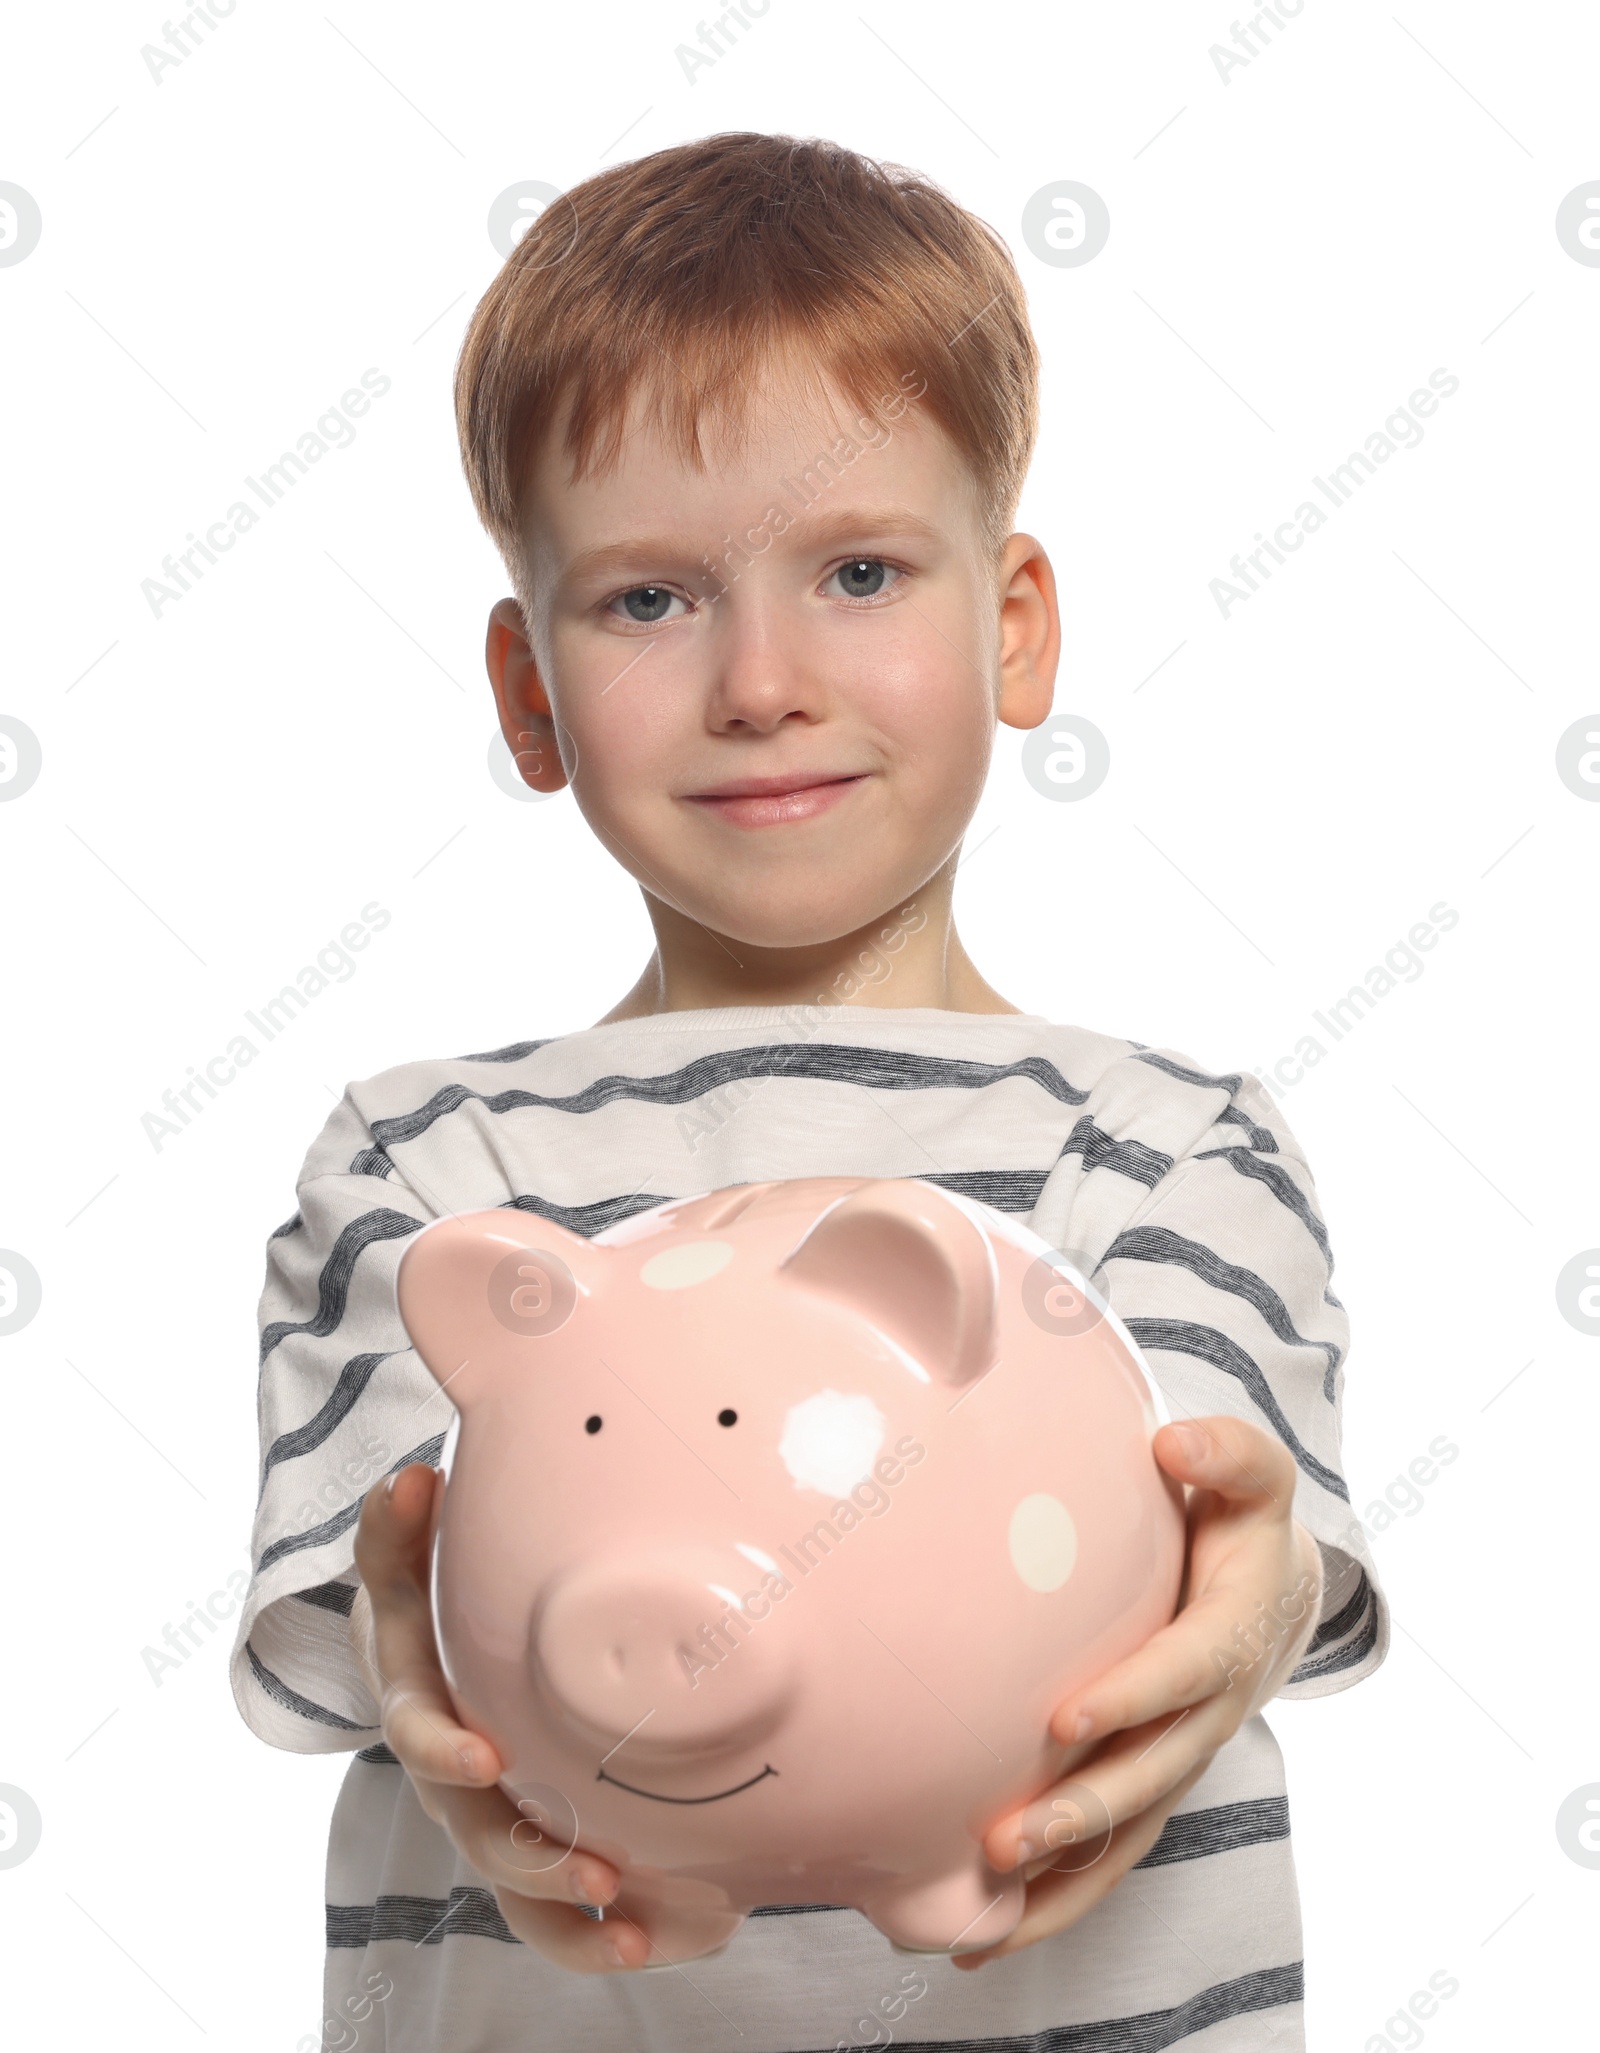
1185, 1194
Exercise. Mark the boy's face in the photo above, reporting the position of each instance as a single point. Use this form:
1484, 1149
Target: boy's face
776, 715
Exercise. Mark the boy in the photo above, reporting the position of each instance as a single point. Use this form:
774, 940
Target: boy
748, 420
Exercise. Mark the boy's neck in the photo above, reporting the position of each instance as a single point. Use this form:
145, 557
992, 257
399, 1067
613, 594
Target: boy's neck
910, 956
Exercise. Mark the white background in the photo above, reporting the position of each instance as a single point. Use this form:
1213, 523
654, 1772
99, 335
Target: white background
225, 786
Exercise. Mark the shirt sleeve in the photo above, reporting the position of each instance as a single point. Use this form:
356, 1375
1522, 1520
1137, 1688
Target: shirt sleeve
1223, 1276
342, 1401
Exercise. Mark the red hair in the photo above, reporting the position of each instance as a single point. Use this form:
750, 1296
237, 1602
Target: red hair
682, 275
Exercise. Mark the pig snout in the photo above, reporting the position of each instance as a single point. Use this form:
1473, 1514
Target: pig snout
659, 1647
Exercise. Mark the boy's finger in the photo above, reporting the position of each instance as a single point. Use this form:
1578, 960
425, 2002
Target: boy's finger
1238, 1460
392, 1531
422, 1731
391, 1557
1136, 1769
419, 1721
564, 1934
1059, 1897
512, 1852
1213, 1645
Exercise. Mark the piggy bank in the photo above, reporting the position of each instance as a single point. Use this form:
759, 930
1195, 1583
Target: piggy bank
777, 1522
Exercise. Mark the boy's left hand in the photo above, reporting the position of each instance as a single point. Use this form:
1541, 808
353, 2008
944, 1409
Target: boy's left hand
1252, 1596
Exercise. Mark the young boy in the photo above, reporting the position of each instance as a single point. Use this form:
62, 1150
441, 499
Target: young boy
748, 420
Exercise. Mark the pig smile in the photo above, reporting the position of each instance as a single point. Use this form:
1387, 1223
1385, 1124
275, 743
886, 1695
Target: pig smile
656, 1797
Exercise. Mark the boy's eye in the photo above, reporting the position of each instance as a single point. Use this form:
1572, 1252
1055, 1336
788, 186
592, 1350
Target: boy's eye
863, 577
646, 604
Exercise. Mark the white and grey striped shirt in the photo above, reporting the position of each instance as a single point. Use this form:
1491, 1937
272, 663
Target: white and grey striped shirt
1191, 1195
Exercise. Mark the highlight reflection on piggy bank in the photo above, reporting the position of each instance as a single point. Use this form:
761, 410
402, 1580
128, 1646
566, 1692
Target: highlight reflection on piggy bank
777, 1523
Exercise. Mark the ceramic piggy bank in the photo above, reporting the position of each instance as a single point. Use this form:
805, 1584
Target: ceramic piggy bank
777, 1522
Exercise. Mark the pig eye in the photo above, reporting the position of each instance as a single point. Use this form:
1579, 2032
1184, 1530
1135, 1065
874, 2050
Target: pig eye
727, 1418
592, 1424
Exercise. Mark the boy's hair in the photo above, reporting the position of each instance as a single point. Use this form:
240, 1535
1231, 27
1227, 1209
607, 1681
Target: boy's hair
682, 275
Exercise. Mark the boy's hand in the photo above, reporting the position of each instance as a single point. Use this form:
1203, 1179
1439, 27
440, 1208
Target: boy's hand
454, 1771
1252, 1596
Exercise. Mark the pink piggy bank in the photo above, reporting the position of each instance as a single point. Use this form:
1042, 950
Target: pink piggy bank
777, 1523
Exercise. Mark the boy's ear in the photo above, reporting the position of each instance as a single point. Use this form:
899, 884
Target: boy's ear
479, 1289
526, 718
1030, 632
912, 1263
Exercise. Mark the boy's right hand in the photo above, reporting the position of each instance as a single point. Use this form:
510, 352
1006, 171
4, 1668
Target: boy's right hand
453, 1770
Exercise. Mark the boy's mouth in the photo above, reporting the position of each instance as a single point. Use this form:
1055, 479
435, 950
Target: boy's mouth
771, 801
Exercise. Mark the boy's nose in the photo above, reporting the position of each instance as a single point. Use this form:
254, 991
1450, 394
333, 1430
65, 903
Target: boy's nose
758, 680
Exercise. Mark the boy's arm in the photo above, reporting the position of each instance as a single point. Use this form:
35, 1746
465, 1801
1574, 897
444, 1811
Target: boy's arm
330, 1656
547, 1890
342, 1402
1221, 1276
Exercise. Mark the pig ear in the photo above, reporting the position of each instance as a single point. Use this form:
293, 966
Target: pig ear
913, 1263
481, 1288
